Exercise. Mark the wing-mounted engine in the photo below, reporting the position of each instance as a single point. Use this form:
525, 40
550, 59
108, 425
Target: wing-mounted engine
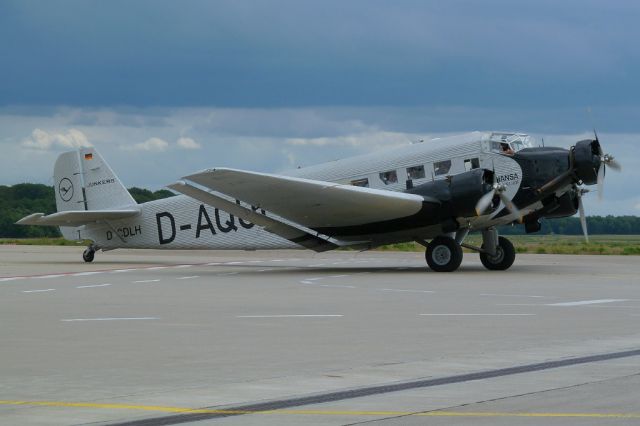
459, 194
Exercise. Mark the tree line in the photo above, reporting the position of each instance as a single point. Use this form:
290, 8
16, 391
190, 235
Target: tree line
20, 200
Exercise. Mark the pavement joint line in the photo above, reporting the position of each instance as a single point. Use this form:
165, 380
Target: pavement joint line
186, 410
347, 394
119, 270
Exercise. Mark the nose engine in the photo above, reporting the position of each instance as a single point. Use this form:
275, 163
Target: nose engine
586, 159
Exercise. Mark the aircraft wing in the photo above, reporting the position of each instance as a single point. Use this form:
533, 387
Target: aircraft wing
310, 203
305, 238
76, 217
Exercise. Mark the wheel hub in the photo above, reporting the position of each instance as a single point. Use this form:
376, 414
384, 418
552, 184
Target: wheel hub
441, 255
499, 256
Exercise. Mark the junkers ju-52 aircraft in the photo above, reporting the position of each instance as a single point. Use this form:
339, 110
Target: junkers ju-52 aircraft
434, 192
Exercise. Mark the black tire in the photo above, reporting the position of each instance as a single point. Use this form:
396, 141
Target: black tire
88, 255
505, 255
443, 254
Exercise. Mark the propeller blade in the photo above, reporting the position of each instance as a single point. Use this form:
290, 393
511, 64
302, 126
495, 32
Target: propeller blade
583, 219
614, 165
600, 181
484, 202
510, 206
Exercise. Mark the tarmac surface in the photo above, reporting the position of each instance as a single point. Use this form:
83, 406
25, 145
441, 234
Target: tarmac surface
293, 337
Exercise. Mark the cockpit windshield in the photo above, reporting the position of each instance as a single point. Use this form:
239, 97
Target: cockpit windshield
510, 143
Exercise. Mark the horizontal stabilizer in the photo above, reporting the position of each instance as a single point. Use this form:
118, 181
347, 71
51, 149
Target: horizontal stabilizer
291, 233
76, 217
310, 203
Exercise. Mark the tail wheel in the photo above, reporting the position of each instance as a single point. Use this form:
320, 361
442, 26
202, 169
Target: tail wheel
503, 259
443, 254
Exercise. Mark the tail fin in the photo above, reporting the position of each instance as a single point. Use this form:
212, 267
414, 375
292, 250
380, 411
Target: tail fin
84, 181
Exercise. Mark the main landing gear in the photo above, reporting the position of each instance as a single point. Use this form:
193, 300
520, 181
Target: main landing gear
89, 253
444, 253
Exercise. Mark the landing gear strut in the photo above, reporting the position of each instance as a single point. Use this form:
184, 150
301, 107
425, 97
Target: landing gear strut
498, 253
89, 253
444, 254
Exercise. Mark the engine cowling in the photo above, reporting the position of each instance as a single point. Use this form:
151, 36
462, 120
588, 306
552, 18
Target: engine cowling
586, 160
459, 193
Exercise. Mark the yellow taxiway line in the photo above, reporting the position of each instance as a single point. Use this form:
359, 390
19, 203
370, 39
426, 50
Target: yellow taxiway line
185, 410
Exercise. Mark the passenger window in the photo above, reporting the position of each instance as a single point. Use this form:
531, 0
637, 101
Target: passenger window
470, 164
416, 172
389, 177
361, 182
441, 167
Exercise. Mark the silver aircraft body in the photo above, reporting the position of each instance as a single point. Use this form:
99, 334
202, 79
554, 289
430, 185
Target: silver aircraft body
437, 191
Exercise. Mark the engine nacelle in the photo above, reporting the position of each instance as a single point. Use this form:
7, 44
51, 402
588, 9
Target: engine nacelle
459, 193
467, 188
586, 160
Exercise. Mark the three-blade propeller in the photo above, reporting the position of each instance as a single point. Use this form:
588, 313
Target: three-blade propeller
605, 160
498, 189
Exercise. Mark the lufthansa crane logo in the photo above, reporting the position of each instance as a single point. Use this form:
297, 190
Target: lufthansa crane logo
65, 189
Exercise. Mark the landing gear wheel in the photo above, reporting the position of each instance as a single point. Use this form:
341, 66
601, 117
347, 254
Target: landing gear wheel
88, 254
443, 254
503, 259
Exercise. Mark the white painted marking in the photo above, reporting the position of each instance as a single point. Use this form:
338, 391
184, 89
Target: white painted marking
109, 319
93, 285
337, 286
146, 281
476, 315
117, 271
306, 282
182, 266
10, 279
511, 295
213, 263
49, 276
188, 278
407, 291
588, 302
277, 260
265, 270
234, 263
314, 279
82, 274
317, 265
287, 316
338, 276
155, 268
38, 291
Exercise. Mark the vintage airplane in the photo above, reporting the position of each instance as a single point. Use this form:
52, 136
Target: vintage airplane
436, 191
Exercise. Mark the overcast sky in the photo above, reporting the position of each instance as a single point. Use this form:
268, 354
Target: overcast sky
166, 88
